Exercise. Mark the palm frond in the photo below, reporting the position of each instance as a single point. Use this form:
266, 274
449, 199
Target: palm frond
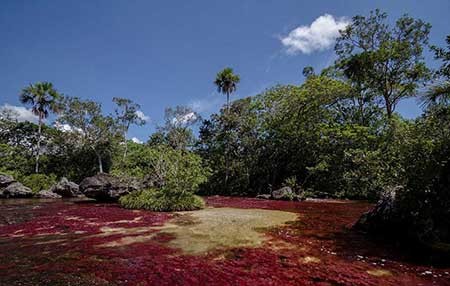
437, 94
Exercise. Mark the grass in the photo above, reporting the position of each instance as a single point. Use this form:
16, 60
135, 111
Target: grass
157, 200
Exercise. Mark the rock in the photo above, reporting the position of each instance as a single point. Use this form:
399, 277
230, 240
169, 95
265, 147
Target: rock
44, 194
15, 190
383, 216
66, 189
10, 188
285, 193
105, 187
6, 180
264, 196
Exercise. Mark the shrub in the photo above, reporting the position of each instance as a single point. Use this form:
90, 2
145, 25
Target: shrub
159, 200
38, 182
173, 178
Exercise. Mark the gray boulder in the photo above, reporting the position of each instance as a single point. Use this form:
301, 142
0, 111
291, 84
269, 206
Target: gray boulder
285, 193
264, 196
105, 187
44, 194
66, 189
15, 190
6, 180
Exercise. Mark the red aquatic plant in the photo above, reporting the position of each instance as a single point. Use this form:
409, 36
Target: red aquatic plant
58, 244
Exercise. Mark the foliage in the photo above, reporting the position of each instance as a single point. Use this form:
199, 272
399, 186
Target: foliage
89, 128
385, 61
157, 200
172, 175
127, 114
226, 82
14, 161
38, 182
440, 93
42, 97
176, 131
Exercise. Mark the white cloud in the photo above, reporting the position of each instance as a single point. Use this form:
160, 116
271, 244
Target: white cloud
142, 116
136, 140
63, 127
66, 127
207, 104
320, 35
19, 113
185, 118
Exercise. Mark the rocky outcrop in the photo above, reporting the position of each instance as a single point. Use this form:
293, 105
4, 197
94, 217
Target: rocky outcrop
6, 180
284, 194
105, 187
10, 188
44, 194
66, 189
264, 196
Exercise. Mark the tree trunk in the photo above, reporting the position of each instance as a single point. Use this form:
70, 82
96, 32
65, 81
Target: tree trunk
227, 146
125, 141
100, 164
389, 108
126, 150
36, 168
228, 102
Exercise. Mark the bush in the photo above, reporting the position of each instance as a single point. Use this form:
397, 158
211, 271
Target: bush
173, 176
38, 182
159, 200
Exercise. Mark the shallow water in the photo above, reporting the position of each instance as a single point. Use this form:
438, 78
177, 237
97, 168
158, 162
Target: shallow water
54, 242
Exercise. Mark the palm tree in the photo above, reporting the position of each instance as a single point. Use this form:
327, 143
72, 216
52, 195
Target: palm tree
439, 93
226, 82
42, 98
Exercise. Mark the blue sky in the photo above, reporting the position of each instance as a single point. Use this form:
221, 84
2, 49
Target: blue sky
166, 53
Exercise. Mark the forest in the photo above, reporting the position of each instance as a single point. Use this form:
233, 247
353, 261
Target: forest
335, 135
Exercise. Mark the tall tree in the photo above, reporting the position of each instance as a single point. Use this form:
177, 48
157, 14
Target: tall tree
226, 82
42, 97
177, 128
127, 114
89, 127
386, 61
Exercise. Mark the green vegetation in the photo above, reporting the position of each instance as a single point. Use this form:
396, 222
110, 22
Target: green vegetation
38, 182
155, 200
173, 177
334, 135
42, 97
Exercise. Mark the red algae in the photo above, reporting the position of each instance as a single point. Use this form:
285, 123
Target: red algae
57, 244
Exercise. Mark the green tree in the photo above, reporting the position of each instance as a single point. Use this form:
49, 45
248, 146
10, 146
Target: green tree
177, 127
226, 82
42, 98
173, 177
385, 61
127, 114
89, 127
